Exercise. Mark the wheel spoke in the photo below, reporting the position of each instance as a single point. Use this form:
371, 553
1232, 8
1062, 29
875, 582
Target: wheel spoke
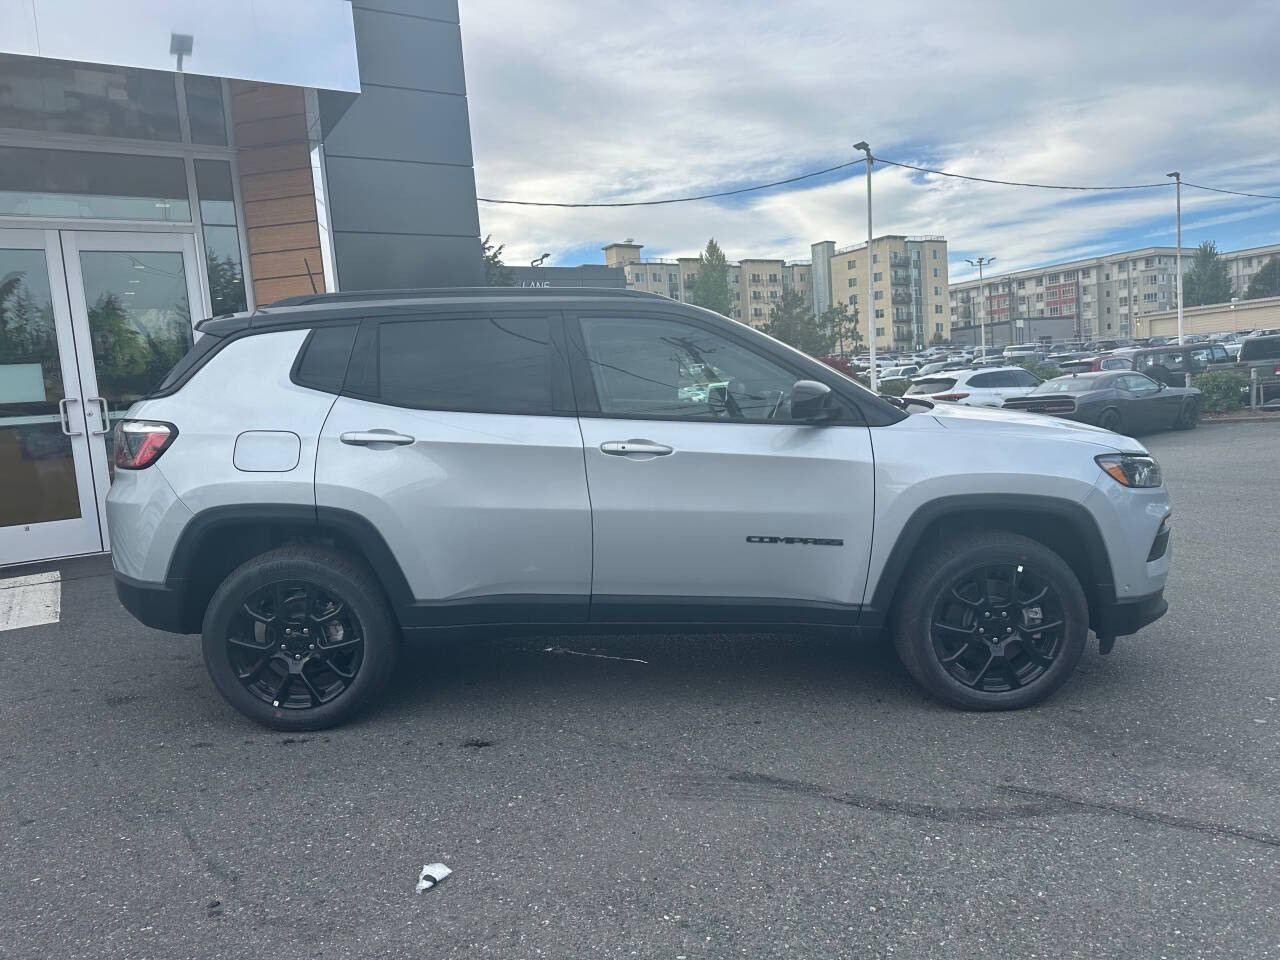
258, 615
316, 699
991, 658
278, 695
1041, 627
338, 607
262, 648
338, 644
1040, 595
254, 672
958, 654
1014, 681
942, 625
1034, 654
967, 602
344, 674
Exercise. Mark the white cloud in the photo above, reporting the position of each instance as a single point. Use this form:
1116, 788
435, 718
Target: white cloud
610, 100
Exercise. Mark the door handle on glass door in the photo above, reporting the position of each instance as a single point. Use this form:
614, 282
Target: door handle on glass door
364, 438
623, 448
65, 417
105, 426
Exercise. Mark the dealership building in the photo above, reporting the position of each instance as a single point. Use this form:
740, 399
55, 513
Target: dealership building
167, 160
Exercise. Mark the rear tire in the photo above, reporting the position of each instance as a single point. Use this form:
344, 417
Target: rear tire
1189, 415
1110, 420
300, 638
991, 621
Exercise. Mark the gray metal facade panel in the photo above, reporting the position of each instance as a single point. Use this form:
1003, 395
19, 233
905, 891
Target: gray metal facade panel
435, 9
409, 52
398, 163
391, 197
390, 124
374, 261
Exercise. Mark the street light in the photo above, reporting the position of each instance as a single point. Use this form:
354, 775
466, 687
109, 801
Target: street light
539, 261
870, 313
982, 300
1177, 177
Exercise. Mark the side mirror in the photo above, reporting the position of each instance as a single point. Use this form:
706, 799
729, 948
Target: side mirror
811, 401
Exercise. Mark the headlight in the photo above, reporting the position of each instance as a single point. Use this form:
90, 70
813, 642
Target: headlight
1131, 470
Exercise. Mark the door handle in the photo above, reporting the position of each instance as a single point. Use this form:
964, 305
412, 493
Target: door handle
102, 409
623, 448
64, 416
363, 438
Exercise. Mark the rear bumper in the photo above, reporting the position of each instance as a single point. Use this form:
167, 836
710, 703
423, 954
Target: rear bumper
156, 605
1119, 618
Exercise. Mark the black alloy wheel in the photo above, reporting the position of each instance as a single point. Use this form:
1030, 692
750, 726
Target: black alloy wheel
295, 645
1110, 420
1189, 416
998, 628
300, 638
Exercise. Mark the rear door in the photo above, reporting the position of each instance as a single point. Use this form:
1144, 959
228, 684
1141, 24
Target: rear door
456, 437
709, 502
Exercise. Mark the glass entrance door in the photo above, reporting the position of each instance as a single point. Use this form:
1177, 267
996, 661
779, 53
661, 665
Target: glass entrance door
132, 298
48, 501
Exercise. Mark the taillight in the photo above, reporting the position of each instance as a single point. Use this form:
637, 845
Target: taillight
949, 396
139, 443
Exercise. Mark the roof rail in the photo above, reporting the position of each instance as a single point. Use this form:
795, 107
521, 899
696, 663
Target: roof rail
430, 293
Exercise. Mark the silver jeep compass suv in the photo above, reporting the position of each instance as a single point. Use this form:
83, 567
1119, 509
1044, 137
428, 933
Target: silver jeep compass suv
317, 480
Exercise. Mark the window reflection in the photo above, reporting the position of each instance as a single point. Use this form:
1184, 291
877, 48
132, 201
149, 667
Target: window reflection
73, 183
205, 116
56, 96
221, 238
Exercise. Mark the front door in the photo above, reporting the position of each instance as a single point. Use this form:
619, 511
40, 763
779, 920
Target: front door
89, 322
708, 502
48, 502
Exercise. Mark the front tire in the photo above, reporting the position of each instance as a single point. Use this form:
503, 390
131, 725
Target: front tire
1189, 416
1110, 420
300, 638
991, 621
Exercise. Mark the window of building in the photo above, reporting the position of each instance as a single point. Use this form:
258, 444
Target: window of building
937, 308
937, 291
1148, 298
221, 236
755, 278
1039, 298
1160, 261
1084, 274
206, 118
878, 277
880, 316
107, 186
1039, 281
1053, 310
757, 312
755, 294
773, 278
1147, 262
433, 364
850, 264
853, 282
935, 253
878, 295
875, 258
773, 294
879, 330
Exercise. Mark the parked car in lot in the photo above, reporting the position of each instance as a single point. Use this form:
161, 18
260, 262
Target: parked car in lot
982, 387
1262, 354
1016, 352
1118, 360
317, 480
1120, 402
942, 365
899, 373
1175, 364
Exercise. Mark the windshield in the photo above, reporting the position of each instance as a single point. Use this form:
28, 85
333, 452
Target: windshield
1067, 385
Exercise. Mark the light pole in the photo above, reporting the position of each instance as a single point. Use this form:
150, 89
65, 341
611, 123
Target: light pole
1177, 177
982, 300
870, 295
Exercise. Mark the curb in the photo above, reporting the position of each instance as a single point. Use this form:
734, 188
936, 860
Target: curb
1264, 418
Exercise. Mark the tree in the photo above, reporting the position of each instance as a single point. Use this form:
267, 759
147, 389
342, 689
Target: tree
711, 288
792, 322
1207, 280
842, 323
496, 273
1266, 282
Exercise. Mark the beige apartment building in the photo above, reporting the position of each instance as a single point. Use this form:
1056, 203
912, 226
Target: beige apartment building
1091, 298
755, 284
908, 289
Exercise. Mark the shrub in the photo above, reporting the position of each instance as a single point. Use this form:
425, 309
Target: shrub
894, 388
1221, 392
1044, 371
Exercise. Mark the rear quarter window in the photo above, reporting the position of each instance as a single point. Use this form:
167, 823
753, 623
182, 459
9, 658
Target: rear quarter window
322, 361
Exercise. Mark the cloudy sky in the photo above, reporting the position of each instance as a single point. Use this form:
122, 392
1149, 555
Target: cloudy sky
603, 100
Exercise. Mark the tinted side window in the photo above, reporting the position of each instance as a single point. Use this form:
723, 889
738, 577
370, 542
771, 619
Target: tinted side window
322, 363
983, 380
664, 368
1023, 378
487, 365
1140, 385
1260, 348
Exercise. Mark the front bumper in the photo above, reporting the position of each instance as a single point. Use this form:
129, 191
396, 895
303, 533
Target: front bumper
1119, 618
156, 605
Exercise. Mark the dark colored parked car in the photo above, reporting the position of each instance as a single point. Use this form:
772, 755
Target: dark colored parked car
1174, 364
1125, 402
1261, 353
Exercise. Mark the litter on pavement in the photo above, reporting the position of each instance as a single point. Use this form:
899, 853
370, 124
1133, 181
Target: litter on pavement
598, 656
432, 873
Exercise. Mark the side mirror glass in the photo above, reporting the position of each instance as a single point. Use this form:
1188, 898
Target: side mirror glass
812, 401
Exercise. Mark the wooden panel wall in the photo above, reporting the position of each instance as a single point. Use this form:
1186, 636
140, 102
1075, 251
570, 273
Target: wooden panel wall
275, 183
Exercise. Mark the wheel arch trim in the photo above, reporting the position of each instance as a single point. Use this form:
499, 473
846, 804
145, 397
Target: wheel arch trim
1099, 587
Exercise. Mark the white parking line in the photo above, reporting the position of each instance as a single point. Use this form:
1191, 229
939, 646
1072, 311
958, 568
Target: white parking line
30, 601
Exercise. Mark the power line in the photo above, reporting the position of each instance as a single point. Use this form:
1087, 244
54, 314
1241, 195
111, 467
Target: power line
851, 163
655, 203
1234, 193
1017, 183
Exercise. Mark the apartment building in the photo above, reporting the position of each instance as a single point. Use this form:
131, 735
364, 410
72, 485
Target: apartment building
1090, 298
908, 296
755, 284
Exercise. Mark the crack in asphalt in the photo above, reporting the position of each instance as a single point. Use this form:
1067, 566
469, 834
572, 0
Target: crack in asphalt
1047, 804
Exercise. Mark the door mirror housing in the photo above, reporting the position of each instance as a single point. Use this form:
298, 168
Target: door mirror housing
812, 401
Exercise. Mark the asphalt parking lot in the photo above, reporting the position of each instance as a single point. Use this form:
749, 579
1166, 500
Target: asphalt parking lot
732, 796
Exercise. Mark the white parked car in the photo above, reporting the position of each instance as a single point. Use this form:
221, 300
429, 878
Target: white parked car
899, 373
987, 387
1021, 351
